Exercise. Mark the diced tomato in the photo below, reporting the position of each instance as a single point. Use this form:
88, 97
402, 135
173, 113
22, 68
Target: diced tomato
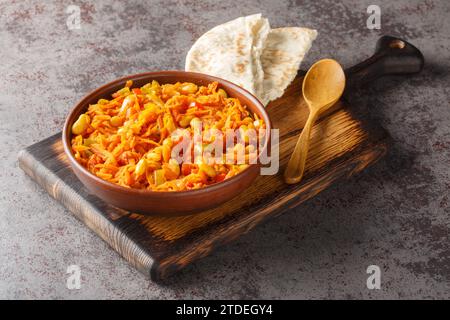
137, 91
189, 185
220, 177
184, 106
186, 169
203, 177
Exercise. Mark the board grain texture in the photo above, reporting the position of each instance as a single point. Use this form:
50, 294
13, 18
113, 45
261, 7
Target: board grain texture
342, 144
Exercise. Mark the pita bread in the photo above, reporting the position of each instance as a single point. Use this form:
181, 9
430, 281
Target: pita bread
232, 51
283, 53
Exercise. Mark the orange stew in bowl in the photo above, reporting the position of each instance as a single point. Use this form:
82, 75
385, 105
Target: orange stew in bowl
130, 139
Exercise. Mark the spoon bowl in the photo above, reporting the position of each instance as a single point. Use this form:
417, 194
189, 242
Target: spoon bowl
323, 85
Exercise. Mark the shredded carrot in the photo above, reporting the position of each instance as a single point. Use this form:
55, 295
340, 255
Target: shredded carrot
129, 139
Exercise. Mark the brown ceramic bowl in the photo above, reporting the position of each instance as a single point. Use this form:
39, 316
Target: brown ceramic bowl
164, 203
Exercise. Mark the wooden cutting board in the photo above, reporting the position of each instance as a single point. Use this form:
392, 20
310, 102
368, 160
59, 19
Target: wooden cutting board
342, 145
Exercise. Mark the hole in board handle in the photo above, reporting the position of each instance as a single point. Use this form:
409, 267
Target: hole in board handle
397, 44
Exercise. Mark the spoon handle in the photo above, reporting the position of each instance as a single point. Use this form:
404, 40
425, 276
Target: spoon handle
296, 165
393, 56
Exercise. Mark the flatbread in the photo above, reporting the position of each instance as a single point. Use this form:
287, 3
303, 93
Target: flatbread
247, 52
232, 51
283, 53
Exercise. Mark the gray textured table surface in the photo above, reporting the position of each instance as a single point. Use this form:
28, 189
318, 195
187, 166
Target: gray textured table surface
395, 215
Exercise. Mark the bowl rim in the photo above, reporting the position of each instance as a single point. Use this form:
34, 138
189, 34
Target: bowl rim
66, 134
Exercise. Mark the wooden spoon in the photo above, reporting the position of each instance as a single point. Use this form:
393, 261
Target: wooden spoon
323, 85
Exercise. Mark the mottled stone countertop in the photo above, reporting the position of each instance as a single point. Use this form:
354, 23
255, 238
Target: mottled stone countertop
395, 215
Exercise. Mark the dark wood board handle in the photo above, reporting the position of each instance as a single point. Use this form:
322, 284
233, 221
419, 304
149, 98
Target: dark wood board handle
393, 56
